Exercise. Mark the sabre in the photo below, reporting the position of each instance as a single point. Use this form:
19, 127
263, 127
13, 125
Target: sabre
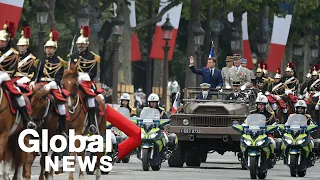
71, 50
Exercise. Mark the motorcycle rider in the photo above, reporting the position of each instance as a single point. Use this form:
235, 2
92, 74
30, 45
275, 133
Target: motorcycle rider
301, 108
124, 101
153, 102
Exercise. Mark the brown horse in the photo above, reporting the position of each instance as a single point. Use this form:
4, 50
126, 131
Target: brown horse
11, 155
45, 116
289, 104
77, 115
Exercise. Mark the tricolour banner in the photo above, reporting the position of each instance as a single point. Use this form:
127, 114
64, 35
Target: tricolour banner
158, 42
280, 33
11, 11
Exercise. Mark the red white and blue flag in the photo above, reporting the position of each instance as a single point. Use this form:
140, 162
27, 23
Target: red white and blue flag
158, 42
135, 47
176, 103
10, 11
280, 33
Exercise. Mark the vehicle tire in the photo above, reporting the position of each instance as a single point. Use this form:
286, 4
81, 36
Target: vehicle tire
145, 159
293, 165
193, 158
262, 175
302, 173
156, 168
87, 168
204, 157
177, 158
126, 160
253, 167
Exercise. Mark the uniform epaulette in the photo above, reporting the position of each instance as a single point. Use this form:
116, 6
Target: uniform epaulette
32, 56
96, 57
36, 63
63, 62
14, 51
161, 108
308, 115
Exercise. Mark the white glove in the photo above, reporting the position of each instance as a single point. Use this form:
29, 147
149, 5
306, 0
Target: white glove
32, 84
228, 87
267, 93
288, 91
83, 77
23, 80
243, 88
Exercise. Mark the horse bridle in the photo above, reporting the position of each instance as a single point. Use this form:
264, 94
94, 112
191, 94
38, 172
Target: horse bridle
77, 96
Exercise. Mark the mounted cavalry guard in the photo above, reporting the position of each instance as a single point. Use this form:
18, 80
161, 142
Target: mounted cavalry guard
87, 66
260, 81
50, 72
304, 86
9, 59
276, 90
314, 87
289, 80
27, 61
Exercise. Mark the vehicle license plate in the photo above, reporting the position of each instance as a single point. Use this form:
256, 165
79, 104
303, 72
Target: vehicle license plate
190, 131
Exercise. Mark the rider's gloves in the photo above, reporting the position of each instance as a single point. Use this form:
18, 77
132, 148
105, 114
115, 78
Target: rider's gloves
32, 84
267, 93
228, 87
243, 87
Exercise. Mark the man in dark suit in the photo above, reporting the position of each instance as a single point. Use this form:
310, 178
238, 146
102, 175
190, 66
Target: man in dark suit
210, 74
205, 92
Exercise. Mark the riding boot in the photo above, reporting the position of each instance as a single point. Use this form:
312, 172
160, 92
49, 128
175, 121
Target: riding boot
285, 117
62, 125
26, 119
92, 120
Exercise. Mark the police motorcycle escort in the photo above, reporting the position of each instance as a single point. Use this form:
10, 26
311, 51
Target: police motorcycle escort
153, 150
257, 149
297, 145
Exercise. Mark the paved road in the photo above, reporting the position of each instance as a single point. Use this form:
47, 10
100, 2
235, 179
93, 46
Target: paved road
224, 167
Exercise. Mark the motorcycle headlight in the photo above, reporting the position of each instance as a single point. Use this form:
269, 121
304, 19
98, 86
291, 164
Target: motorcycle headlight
260, 142
300, 141
289, 141
152, 135
247, 142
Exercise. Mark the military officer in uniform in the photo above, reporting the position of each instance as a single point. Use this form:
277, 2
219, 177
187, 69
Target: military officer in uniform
236, 94
225, 70
27, 61
244, 64
238, 73
289, 80
51, 71
87, 66
9, 59
205, 92
304, 86
277, 90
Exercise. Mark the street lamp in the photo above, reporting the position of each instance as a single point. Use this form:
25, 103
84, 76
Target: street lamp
117, 31
198, 33
315, 47
167, 29
42, 12
298, 48
235, 41
262, 44
83, 17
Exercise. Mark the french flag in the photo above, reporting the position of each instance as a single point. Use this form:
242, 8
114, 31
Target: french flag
212, 54
245, 38
280, 33
176, 103
11, 11
135, 48
158, 42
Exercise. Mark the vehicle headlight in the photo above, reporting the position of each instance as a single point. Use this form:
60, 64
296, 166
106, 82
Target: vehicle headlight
300, 141
185, 122
142, 135
260, 142
247, 142
152, 135
289, 141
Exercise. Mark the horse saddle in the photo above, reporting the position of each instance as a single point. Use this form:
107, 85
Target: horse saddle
83, 98
12, 103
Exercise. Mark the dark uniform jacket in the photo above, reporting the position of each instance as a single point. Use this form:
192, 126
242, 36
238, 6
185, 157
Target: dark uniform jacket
313, 85
51, 68
304, 86
279, 90
236, 96
269, 115
88, 62
10, 63
293, 84
262, 81
200, 96
29, 68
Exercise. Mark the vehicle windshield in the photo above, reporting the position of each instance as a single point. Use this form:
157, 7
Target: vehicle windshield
255, 121
124, 111
295, 121
149, 114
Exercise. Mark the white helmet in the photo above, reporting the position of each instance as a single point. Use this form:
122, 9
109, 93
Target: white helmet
125, 96
153, 98
262, 99
301, 103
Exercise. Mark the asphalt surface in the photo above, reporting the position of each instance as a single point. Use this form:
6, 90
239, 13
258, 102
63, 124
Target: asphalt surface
220, 167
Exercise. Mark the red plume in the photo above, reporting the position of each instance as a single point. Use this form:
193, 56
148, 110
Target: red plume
11, 29
55, 35
316, 67
86, 31
265, 66
261, 64
279, 71
27, 32
291, 65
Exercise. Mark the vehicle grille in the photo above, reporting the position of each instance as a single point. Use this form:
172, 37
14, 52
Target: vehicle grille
211, 110
209, 121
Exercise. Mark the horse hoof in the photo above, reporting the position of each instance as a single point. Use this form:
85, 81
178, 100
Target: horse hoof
81, 177
49, 177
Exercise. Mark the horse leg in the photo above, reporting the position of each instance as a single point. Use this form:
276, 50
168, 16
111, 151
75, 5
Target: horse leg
3, 147
42, 165
74, 155
81, 174
102, 129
